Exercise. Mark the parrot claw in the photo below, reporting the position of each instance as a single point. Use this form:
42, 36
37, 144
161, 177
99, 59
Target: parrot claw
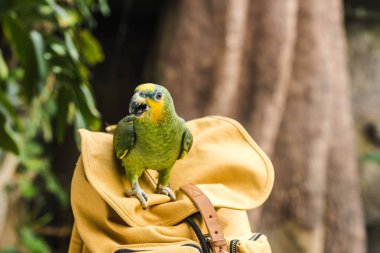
166, 191
139, 194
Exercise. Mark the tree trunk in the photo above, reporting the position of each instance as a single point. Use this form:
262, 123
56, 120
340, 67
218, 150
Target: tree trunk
300, 154
267, 68
279, 68
9, 201
194, 31
344, 213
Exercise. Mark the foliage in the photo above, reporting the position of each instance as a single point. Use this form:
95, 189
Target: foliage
373, 157
46, 51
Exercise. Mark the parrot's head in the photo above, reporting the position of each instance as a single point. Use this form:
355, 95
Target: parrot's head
151, 102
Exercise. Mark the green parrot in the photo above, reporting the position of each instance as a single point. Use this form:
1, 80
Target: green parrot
151, 137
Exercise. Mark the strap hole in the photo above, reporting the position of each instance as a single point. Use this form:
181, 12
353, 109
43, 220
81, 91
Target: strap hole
210, 216
216, 232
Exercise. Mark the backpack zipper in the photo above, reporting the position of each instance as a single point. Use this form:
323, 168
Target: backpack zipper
126, 250
233, 243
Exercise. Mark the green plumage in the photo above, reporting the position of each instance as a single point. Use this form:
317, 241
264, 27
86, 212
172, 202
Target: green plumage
154, 139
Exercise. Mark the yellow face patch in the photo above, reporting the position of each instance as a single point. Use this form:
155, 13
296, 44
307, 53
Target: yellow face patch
146, 87
156, 108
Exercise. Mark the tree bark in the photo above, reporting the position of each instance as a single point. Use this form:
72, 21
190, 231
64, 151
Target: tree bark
344, 212
279, 67
267, 67
228, 74
294, 214
191, 50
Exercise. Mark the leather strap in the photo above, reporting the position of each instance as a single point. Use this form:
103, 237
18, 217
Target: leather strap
217, 242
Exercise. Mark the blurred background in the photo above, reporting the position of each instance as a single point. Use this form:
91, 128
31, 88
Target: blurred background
302, 76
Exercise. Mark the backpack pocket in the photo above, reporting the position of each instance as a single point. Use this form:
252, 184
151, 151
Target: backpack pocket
181, 247
254, 243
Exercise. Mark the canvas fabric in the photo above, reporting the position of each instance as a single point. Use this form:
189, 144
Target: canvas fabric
224, 162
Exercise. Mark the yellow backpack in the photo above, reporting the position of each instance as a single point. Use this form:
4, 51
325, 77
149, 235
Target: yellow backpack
224, 164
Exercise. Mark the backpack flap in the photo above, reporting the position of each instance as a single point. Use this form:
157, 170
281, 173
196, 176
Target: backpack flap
224, 162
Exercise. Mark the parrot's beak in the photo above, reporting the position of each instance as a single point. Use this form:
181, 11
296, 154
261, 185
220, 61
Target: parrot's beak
138, 105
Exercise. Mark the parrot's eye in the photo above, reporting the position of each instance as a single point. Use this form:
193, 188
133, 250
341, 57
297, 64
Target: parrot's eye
141, 94
158, 95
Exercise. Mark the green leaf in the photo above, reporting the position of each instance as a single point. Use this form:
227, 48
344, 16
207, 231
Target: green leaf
8, 249
104, 8
372, 157
84, 72
23, 45
65, 18
70, 45
9, 138
35, 164
3, 68
27, 189
34, 148
15, 5
49, 108
8, 109
55, 188
47, 131
85, 103
79, 123
44, 220
32, 242
58, 49
39, 51
89, 47
71, 113
84, 10
34, 119
87, 93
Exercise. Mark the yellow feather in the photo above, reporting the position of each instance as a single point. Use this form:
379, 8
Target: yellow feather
183, 155
147, 87
122, 156
155, 110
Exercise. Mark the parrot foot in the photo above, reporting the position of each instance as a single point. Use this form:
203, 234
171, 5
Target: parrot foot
139, 194
166, 191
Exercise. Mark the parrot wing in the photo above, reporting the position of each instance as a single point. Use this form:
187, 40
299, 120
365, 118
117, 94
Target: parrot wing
187, 142
124, 137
